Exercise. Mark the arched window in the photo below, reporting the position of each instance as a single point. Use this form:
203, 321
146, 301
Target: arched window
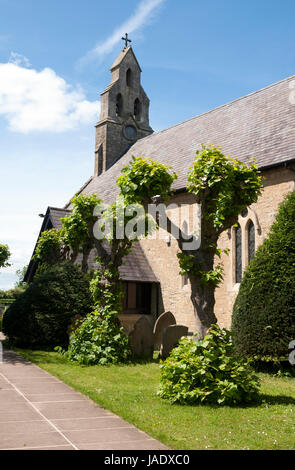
251, 240
137, 109
119, 105
238, 254
129, 77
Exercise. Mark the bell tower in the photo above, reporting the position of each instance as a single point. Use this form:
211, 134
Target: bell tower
124, 116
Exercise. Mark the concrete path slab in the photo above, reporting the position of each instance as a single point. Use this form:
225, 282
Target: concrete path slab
38, 411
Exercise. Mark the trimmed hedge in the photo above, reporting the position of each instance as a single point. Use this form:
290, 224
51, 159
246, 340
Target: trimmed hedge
41, 316
264, 312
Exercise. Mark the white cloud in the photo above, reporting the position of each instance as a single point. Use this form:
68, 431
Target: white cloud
142, 15
19, 59
32, 100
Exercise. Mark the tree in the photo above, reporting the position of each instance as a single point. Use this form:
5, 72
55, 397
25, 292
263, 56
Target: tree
21, 284
263, 322
93, 226
41, 315
77, 232
223, 187
10, 294
74, 238
49, 247
4, 256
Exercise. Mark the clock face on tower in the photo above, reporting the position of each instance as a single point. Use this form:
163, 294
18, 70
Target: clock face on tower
130, 132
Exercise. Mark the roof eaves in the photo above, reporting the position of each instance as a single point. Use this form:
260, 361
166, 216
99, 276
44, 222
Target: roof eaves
277, 164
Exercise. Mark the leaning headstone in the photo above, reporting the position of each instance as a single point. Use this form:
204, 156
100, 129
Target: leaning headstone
164, 320
142, 339
171, 336
128, 321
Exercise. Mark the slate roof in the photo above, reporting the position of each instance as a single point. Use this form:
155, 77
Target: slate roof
260, 125
135, 267
55, 214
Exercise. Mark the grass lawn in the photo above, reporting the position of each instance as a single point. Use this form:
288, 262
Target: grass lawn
130, 391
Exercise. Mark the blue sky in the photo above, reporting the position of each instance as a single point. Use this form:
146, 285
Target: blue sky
54, 63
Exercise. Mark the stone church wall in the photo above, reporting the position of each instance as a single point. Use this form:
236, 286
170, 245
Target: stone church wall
161, 253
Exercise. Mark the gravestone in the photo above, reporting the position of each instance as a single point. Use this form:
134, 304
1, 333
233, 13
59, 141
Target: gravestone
128, 321
171, 336
164, 320
142, 339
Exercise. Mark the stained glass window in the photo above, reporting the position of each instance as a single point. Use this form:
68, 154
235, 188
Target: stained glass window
238, 253
251, 241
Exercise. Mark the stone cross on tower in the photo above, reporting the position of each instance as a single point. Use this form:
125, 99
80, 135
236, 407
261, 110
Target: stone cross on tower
126, 40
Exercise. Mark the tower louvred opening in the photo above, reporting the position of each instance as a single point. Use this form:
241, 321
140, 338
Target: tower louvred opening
129, 77
119, 105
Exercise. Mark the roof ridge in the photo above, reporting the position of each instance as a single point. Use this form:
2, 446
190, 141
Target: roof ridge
220, 107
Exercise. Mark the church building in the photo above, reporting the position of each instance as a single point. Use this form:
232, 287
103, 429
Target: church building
260, 125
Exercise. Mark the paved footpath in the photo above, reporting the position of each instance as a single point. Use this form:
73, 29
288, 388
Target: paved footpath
38, 411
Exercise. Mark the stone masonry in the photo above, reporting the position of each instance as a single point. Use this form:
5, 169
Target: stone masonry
124, 104
176, 294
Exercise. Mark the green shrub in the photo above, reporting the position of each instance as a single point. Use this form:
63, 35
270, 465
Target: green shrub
11, 293
264, 312
206, 371
99, 340
41, 316
1, 321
